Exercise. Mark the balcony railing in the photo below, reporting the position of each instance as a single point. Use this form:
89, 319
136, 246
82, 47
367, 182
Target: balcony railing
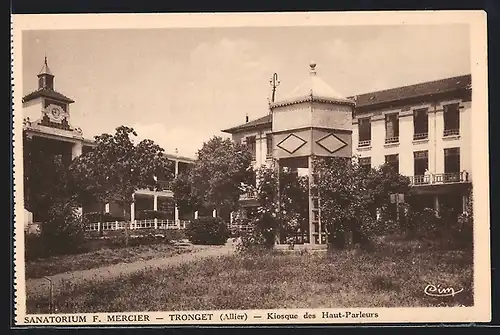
365, 143
249, 195
394, 139
269, 155
451, 132
440, 178
164, 185
420, 136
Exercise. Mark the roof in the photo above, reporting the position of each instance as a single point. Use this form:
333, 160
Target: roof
46, 93
313, 88
262, 121
45, 69
429, 88
397, 94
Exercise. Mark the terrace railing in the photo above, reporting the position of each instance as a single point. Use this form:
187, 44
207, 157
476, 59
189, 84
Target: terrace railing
440, 178
138, 224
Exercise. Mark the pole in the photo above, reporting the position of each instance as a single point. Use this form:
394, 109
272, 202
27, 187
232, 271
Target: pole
51, 306
397, 208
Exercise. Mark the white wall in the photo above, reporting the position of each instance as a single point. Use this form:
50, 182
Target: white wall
33, 109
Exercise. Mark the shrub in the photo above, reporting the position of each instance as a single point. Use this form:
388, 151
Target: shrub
207, 230
63, 232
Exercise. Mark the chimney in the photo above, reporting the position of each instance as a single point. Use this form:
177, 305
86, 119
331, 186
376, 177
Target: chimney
246, 118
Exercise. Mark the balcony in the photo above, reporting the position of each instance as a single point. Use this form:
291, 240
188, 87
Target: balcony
451, 132
164, 185
440, 178
364, 144
249, 195
392, 140
420, 136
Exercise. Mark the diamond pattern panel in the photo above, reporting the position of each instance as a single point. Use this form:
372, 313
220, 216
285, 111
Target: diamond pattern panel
291, 143
331, 143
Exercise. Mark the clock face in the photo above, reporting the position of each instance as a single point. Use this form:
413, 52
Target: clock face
56, 112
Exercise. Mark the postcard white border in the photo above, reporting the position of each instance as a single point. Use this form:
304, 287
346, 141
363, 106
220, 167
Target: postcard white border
481, 312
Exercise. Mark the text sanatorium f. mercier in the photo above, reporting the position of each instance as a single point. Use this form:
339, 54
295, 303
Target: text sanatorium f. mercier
196, 317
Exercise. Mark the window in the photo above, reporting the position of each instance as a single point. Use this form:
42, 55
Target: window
393, 162
269, 145
452, 160
365, 163
252, 146
420, 167
420, 124
391, 128
365, 132
452, 165
451, 116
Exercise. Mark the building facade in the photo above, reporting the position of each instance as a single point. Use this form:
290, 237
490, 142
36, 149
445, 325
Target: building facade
47, 125
422, 129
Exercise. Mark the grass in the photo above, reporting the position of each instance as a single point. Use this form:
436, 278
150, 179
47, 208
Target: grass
98, 258
393, 276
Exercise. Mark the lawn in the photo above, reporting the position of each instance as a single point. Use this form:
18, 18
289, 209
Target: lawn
394, 276
101, 257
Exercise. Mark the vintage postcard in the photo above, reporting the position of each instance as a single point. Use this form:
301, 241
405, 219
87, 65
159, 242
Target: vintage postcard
251, 168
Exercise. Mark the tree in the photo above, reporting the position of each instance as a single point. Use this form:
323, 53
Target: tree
45, 177
116, 167
350, 196
215, 180
282, 205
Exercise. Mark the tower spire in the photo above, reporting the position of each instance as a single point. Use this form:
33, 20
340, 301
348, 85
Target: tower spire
45, 77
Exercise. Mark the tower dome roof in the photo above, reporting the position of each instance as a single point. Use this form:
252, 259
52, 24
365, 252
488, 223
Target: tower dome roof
313, 88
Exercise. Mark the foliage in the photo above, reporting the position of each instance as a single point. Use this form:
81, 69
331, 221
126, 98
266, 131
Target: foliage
100, 217
45, 177
215, 179
350, 196
61, 233
282, 210
116, 167
208, 231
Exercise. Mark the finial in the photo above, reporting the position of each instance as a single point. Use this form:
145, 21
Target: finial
176, 151
313, 68
45, 60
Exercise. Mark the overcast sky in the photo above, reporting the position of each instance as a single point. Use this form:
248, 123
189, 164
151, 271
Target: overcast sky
179, 87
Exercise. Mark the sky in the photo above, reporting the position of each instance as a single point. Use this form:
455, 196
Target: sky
181, 86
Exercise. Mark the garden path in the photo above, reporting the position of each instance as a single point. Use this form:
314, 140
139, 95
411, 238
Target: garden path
41, 286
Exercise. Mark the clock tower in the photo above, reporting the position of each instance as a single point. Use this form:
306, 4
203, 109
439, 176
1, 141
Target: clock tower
45, 107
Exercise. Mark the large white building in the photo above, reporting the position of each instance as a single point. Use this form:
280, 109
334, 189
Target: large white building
422, 129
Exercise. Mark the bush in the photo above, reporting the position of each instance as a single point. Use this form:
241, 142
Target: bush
208, 231
62, 233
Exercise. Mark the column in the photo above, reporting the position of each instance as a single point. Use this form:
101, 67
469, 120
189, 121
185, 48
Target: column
76, 150
106, 208
214, 213
176, 216
176, 167
132, 212
465, 200
436, 205
155, 208
196, 215
311, 202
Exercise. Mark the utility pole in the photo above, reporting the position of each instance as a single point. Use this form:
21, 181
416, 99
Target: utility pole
274, 83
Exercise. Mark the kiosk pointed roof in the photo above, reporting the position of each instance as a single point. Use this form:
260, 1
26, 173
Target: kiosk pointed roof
313, 88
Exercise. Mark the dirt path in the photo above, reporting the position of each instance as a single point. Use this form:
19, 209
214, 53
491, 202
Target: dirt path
40, 286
